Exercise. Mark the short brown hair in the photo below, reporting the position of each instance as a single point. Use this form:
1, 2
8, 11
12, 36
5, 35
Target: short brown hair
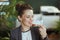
21, 7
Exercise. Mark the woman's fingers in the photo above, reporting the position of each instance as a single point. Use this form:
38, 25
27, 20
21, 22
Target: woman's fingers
42, 27
42, 30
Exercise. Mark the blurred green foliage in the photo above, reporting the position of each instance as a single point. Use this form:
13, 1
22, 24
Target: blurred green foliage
58, 26
8, 19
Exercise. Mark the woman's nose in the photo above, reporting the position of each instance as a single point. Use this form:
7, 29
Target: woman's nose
31, 19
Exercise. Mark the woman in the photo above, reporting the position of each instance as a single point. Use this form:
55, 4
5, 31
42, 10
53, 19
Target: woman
27, 30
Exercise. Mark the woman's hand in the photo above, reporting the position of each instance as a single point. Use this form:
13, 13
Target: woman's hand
42, 30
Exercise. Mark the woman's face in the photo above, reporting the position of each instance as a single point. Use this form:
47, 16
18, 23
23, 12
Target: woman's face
27, 18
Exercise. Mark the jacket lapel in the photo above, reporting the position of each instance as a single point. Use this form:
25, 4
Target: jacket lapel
33, 34
19, 33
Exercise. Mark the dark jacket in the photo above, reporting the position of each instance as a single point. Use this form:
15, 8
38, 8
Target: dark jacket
16, 34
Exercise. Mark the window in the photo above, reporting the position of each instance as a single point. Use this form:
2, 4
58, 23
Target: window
4, 2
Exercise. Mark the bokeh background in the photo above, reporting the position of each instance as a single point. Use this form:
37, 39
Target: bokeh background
50, 10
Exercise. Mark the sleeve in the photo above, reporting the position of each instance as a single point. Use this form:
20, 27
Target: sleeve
46, 38
12, 35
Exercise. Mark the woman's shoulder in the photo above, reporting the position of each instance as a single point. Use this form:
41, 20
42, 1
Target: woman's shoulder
15, 29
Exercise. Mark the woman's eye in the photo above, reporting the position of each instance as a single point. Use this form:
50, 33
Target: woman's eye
28, 17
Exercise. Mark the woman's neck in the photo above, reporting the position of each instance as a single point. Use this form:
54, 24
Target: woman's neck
25, 28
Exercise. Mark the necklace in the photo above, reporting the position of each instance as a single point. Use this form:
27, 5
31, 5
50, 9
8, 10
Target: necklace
26, 31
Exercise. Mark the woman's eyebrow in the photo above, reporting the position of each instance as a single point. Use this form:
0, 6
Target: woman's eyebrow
30, 15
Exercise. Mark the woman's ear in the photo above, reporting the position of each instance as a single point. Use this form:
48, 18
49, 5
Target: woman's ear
19, 18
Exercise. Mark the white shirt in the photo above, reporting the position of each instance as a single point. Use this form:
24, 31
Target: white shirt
26, 35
